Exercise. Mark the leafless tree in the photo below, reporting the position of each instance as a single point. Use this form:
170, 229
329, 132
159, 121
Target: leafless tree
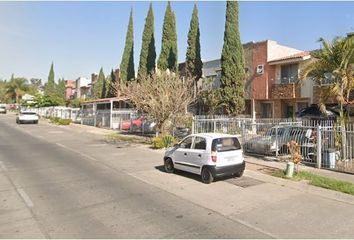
164, 96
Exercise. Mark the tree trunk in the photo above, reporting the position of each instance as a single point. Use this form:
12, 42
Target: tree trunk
343, 133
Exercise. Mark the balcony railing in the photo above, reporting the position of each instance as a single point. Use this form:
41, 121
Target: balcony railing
286, 88
288, 80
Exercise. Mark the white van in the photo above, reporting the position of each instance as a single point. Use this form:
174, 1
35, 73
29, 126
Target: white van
209, 155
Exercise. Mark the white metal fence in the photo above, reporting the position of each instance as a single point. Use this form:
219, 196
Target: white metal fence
321, 143
60, 112
125, 120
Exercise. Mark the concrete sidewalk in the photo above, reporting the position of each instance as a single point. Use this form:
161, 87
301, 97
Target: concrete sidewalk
282, 165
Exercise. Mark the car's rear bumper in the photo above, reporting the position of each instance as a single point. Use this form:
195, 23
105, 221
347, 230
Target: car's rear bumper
227, 170
28, 121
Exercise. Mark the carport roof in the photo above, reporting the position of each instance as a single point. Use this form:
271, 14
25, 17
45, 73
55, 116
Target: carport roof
106, 100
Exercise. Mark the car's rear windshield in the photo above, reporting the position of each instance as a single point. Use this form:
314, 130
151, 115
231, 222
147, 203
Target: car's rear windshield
28, 113
225, 144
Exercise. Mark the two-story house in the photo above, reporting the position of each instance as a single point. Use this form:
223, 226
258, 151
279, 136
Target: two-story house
272, 86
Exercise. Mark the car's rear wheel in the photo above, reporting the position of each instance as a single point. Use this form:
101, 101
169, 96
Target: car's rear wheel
239, 174
169, 168
207, 176
35, 122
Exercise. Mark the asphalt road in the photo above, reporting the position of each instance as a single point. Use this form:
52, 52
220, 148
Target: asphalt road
60, 184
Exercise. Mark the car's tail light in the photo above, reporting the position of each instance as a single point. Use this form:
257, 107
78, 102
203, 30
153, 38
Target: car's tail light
213, 156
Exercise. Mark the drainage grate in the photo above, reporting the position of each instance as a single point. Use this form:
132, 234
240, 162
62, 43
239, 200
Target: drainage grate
244, 182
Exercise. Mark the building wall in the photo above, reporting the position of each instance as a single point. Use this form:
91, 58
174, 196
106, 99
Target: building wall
69, 89
276, 51
258, 82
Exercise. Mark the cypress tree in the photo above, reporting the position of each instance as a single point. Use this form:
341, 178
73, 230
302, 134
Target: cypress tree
148, 52
97, 88
104, 87
111, 90
232, 64
127, 64
168, 55
194, 62
60, 92
49, 88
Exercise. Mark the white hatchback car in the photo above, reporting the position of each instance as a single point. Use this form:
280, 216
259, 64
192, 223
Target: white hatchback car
27, 117
207, 154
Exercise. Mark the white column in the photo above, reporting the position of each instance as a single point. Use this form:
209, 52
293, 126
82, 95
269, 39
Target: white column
111, 115
94, 107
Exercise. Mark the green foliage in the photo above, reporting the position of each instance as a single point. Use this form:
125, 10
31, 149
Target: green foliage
49, 87
168, 55
148, 52
112, 86
15, 89
210, 98
232, 64
194, 62
60, 121
163, 142
334, 63
116, 137
34, 86
98, 86
53, 93
127, 64
105, 86
60, 89
75, 103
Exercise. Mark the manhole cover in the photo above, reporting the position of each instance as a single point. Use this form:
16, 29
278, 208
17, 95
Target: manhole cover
244, 182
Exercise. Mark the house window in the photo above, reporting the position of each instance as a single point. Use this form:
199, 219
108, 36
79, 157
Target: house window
266, 110
289, 73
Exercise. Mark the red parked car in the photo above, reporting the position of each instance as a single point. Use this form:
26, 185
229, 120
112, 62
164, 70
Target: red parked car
133, 124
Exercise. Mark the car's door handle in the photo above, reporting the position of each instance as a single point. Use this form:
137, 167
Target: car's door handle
199, 155
185, 154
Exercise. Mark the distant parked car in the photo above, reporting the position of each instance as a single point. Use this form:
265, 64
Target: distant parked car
269, 143
181, 132
148, 126
27, 117
313, 112
209, 155
133, 124
3, 108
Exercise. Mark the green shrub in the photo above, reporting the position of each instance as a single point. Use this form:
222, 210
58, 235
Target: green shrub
64, 121
163, 142
60, 121
54, 120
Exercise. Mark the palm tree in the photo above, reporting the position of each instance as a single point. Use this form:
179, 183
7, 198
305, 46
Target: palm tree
334, 63
15, 88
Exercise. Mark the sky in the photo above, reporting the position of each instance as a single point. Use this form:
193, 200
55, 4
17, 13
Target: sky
82, 37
